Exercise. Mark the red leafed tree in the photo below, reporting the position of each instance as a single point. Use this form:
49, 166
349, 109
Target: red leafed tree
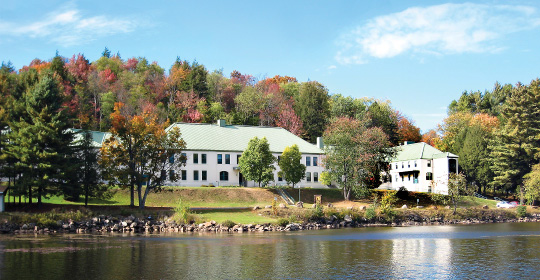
431, 138
108, 75
407, 131
289, 120
79, 67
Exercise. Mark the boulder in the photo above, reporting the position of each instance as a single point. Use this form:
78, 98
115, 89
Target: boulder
419, 206
485, 207
281, 205
330, 205
363, 207
268, 206
404, 206
300, 204
347, 219
256, 208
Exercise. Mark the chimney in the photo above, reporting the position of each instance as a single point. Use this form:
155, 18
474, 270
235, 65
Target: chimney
320, 143
222, 123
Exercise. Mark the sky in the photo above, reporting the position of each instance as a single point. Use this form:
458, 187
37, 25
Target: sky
419, 55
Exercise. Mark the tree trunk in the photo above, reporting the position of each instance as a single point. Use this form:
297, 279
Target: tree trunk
346, 193
521, 196
86, 192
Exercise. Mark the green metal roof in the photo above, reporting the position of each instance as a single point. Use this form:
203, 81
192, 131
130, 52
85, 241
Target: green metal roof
419, 151
98, 137
212, 137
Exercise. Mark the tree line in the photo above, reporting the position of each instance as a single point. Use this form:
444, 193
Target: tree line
46, 108
496, 135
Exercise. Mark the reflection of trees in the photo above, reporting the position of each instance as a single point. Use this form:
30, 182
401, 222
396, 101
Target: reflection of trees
421, 256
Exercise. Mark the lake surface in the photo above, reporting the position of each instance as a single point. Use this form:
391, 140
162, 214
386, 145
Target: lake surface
488, 251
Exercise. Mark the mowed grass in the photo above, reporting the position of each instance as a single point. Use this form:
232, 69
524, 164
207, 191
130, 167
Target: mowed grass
237, 216
191, 196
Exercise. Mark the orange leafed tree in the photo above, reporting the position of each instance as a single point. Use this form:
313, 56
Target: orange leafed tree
407, 131
140, 152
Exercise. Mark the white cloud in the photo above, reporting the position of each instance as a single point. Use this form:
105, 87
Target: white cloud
441, 29
69, 27
332, 67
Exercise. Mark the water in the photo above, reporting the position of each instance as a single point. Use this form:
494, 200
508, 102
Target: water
489, 251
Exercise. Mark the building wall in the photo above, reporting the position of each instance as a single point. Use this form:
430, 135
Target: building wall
2, 202
439, 169
214, 169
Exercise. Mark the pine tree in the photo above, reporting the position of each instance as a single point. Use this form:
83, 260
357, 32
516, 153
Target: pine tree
517, 143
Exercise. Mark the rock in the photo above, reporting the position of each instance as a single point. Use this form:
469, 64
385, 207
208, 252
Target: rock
314, 206
534, 207
485, 207
256, 208
447, 207
330, 205
419, 206
124, 224
350, 208
281, 205
363, 207
404, 206
347, 219
268, 206
300, 204
25, 227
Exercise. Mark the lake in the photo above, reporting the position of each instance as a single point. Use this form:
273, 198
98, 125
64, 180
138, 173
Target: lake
487, 251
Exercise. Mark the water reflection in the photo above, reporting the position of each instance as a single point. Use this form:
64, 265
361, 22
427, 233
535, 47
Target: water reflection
484, 252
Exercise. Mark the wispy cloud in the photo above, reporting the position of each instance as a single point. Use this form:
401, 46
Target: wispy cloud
68, 27
438, 30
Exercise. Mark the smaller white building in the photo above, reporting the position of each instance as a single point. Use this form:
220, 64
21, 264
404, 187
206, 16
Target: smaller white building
420, 167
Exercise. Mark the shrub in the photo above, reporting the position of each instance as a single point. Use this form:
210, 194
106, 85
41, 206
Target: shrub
403, 193
282, 222
521, 211
228, 223
370, 213
182, 214
388, 200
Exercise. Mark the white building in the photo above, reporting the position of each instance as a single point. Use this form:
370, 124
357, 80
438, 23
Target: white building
420, 167
213, 150
3, 191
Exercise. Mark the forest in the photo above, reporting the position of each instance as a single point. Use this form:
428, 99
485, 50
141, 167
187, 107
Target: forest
495, 132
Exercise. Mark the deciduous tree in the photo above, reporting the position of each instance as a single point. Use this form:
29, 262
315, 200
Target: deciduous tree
292, 170
256, 162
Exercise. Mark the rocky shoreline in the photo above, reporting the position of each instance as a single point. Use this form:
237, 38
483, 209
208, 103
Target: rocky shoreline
107, 224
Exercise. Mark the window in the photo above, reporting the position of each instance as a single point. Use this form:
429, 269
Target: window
408, 164
415, 178
195, 158
308, 176
278, 158
171, 175
184, 157
203, 158
279, 178
308, 161
315, 175
314, 161
414, 163
396, 178
409, 177
163, 175
402, 165
171, 159
196, 175
184, 175
452, 165
227, 159
238, 159
429, 163
429, 176
203, 173
224, 176
396, 166
219, 159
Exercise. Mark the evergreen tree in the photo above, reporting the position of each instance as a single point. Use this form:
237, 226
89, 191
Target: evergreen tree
313, 107
292, 169
474, 157
256, 162
516, 143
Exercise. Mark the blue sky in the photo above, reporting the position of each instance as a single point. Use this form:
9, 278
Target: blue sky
420, 55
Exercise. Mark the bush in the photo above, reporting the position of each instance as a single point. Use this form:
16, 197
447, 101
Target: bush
182, 214
403, 193
282, 222
228, 223
521, 211
370, 213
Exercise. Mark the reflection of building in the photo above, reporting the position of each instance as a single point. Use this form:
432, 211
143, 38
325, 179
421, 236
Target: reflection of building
421, 255
420, 167
213, 150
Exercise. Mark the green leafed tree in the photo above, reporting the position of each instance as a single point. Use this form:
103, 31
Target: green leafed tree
532, 185
355, 155
256, 162
292, 169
